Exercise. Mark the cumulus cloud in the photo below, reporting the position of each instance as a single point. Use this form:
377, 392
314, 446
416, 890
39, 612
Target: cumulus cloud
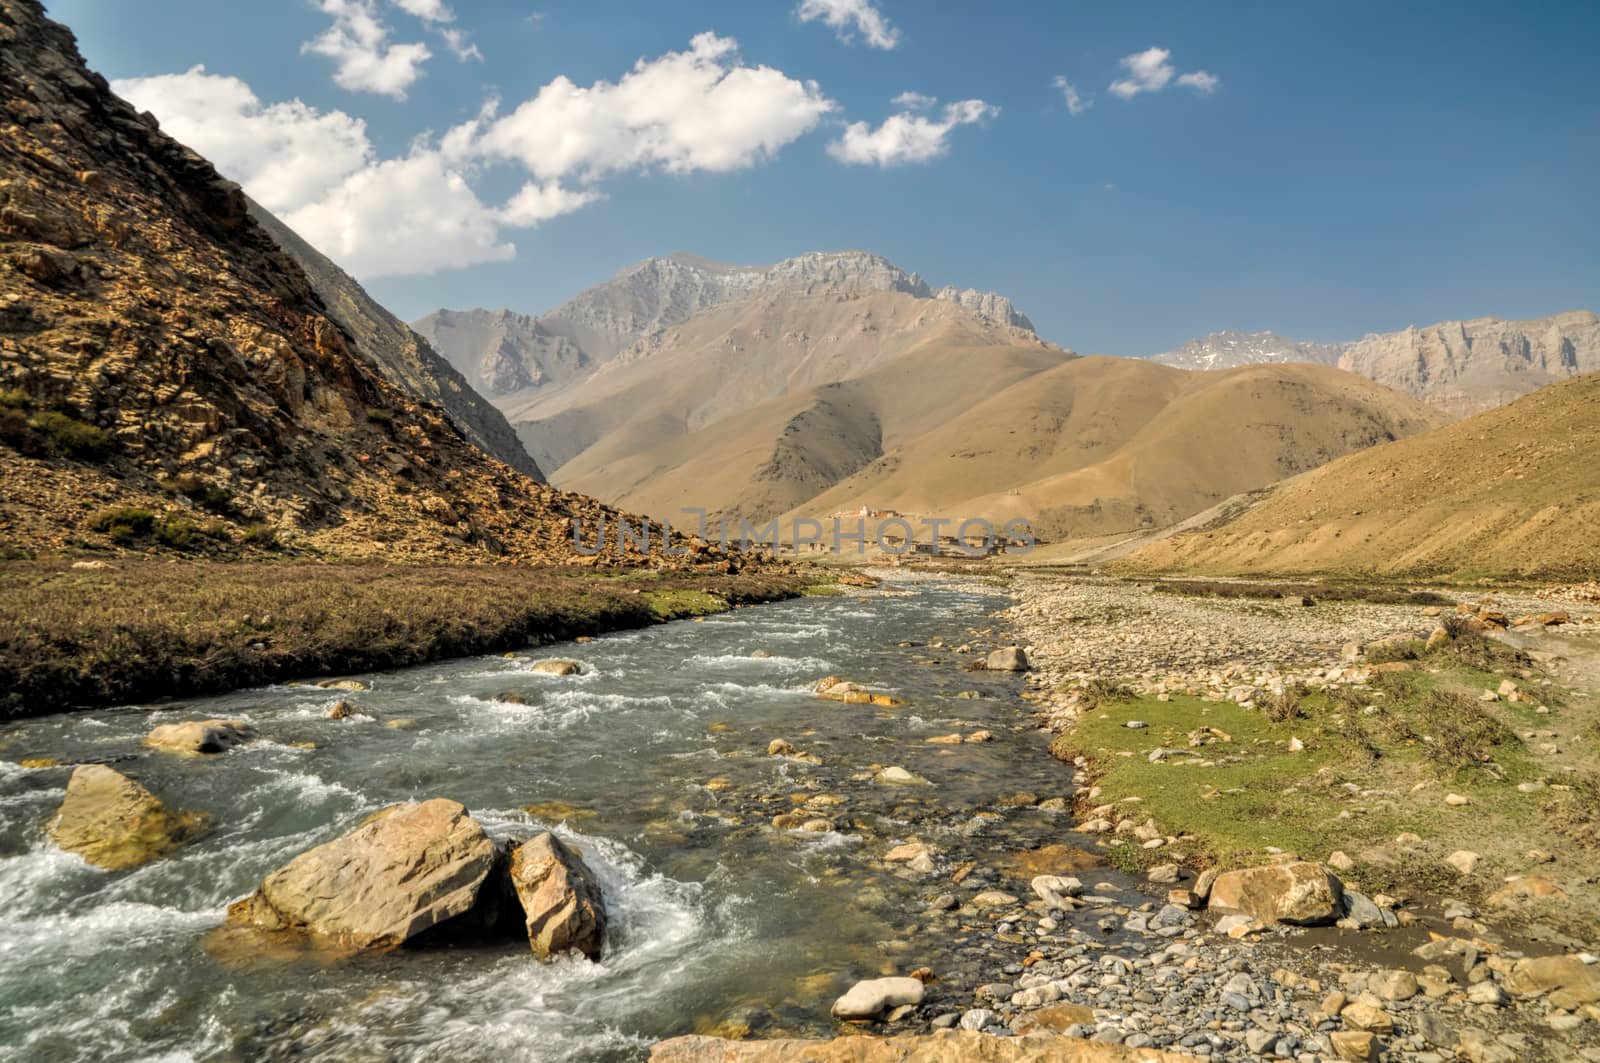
285, 154
1151, 71
849, 17
907, 137
700, 109
427, 10
1076, 102
913, 101
403, 216
358, 43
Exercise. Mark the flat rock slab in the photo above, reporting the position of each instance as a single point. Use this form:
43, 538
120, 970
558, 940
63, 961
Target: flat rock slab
960, 1046
408, 869
113, 822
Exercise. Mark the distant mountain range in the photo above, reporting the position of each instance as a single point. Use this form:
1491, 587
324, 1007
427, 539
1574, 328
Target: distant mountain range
1462, 367
502, 352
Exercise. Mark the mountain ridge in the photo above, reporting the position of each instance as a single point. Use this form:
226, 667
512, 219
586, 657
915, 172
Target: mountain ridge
505, 352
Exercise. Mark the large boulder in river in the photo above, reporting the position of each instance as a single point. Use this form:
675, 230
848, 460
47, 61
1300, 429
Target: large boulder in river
1008, 659
561, 899
557, 666
113, 822
1300, 894
200, 736
408, 869
942, 1047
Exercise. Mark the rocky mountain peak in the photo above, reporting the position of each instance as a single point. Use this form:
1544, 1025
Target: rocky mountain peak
1229, 348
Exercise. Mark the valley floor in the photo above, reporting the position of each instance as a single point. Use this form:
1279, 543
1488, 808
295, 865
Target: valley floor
104, 633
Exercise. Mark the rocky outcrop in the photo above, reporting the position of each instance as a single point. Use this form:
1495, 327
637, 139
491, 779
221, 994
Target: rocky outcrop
1299, 894
946, 1047
113, 822
501, 352
1007, 659
562, 904
200, 736
403, 872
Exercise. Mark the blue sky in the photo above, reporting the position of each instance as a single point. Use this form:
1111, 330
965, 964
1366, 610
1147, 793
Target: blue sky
1353, 167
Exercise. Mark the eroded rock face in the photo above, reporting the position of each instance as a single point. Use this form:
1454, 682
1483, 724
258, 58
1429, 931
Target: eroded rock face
1300, 894
200, 736
113, 822
401, 873
943, 1047
561, 899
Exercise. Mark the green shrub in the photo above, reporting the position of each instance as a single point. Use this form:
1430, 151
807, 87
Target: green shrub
72, 437
1464, 735
264, 536
207, 496
123, 524
15, 399
377, 415
177, 532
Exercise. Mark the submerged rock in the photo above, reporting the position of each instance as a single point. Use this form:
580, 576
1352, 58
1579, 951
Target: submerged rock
408, 869
113, 822
561, 900
200, 736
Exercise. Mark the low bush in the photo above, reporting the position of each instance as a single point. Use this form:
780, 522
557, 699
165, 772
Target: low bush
123, 524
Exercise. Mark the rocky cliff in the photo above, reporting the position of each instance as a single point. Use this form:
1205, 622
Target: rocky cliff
1461, 367
171, 379
1465, 367
503, 352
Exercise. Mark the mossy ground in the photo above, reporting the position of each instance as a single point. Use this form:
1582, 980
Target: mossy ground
1373, 764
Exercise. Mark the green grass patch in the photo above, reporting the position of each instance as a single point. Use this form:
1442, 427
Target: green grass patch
684, 604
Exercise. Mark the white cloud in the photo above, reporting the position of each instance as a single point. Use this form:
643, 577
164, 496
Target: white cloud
460, 46
358, 43
1076, 102
700, 109
427, 10
1151, 71
914, 101
849, 17
536, 202
285, 154
906, 137
403, 216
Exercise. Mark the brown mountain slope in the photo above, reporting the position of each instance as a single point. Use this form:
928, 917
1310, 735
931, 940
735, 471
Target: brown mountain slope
780, 453
1514, 491
398, 352
157, 347
728, 358
1103, 445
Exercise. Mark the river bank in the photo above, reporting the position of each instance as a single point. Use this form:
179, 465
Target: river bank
97, 633
1452, 782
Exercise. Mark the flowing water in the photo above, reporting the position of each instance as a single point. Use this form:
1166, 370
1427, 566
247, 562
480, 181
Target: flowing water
718, 921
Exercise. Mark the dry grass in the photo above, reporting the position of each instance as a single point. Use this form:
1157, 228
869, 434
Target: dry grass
148, 629
1376, 594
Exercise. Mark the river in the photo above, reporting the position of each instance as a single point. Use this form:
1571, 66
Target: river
719, 922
